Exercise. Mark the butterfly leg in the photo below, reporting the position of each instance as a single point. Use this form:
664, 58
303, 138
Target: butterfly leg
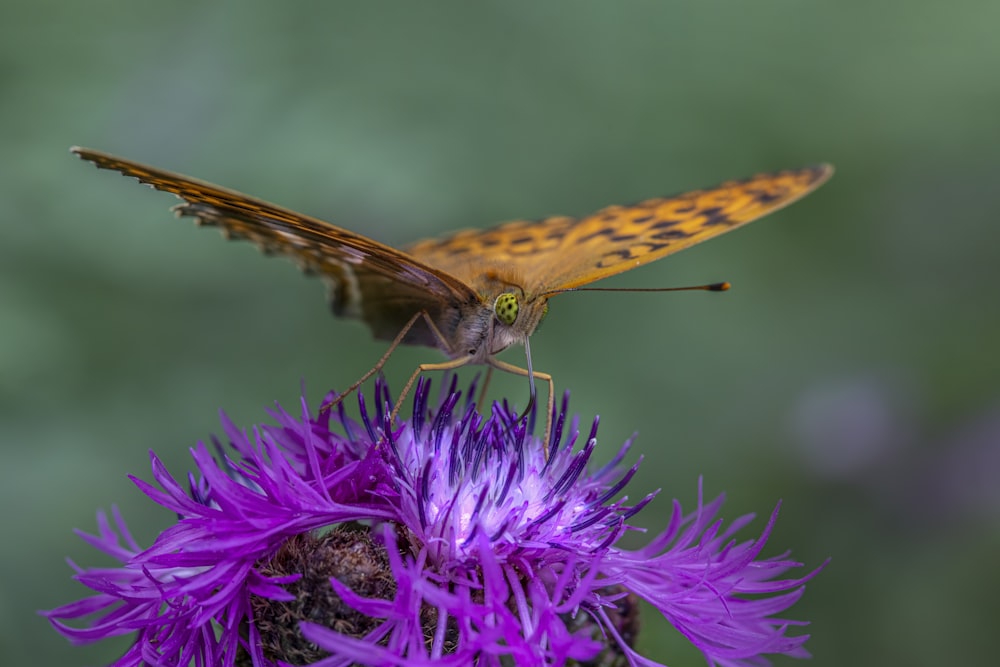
550, 404
445, 345
482, 392
443, 366
396, 342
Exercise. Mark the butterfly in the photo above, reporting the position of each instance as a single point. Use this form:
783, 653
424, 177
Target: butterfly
474, 293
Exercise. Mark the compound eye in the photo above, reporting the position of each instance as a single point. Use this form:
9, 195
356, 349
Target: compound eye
505, 308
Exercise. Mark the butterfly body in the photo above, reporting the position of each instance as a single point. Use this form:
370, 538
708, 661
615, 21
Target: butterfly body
473, 294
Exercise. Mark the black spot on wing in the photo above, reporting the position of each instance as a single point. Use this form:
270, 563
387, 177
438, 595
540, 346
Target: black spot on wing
607, 232
614, 257
664, 224
671, 235
715, 216
765, 197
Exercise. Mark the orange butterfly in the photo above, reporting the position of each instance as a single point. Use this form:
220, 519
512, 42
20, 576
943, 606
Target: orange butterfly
474, 293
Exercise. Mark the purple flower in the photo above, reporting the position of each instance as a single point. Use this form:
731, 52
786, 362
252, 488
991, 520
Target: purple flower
446, 540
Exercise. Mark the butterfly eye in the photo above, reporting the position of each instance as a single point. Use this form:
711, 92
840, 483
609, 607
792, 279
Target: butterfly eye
505, 308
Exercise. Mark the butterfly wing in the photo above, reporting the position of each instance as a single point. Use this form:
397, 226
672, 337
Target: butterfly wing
563, 253
371, 281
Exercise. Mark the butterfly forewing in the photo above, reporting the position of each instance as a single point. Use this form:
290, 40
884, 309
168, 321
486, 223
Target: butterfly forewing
562, 253
381, 285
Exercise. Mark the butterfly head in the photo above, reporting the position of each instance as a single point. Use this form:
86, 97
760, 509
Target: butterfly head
516, 317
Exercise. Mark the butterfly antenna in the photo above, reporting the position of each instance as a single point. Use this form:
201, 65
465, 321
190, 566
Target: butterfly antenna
710, 287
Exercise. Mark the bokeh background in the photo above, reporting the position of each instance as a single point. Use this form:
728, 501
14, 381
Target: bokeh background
852, 371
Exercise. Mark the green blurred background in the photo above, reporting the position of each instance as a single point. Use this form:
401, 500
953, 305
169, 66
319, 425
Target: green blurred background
852, 371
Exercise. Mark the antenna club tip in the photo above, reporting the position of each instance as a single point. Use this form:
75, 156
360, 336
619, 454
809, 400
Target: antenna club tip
719, 287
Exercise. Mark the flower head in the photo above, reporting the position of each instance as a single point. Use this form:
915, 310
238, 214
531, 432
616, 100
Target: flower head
449, 540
